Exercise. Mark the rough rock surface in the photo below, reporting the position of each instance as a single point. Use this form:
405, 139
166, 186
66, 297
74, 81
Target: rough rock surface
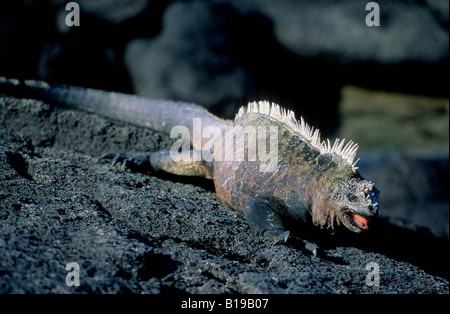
132, 232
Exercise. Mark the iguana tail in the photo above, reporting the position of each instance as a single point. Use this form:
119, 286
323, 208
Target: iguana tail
160, 115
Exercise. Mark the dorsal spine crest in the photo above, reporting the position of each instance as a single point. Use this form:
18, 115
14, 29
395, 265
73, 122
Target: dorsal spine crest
346, 151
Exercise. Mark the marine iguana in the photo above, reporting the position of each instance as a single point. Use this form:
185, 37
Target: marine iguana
310, 182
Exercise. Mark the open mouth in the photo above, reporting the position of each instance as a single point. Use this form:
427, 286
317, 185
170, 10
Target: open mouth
360, 221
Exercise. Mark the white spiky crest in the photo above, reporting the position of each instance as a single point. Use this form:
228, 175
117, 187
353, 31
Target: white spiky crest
345, 151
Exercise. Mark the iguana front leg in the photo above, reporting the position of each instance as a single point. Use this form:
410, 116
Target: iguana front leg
264, 216
162, 160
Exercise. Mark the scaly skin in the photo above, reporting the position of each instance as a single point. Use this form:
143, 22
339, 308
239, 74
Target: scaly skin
310, 185
313, 182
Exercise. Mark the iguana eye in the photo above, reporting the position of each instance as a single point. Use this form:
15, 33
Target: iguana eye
352, 198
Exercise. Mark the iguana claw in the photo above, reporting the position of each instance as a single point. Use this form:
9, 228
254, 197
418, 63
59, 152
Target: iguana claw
132, 160
312, 247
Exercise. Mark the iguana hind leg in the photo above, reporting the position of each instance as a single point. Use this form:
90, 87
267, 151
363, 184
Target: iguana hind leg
186, 165
162, 160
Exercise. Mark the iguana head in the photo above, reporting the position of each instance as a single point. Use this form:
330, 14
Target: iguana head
357, 203
352, 203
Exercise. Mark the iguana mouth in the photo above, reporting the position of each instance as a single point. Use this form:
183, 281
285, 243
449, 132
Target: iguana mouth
358, 220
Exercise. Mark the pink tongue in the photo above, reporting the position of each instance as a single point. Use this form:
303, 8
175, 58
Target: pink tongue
359, 220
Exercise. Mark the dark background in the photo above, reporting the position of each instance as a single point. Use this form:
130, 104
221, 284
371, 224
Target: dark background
222, 54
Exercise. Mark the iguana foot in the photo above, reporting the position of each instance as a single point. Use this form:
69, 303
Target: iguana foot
312, 247
136, 161
278, 236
